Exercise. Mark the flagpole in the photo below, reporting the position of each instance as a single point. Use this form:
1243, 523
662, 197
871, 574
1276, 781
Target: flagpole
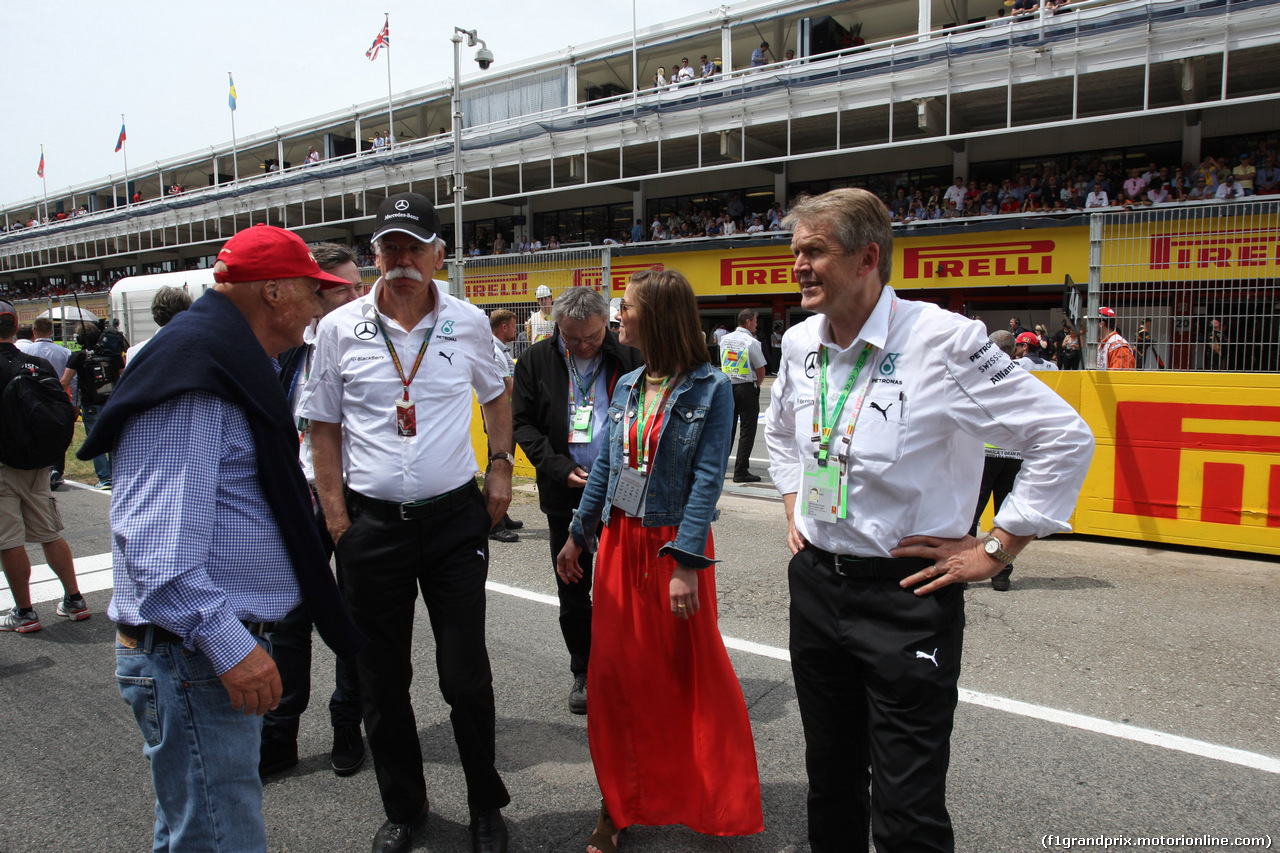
44, 181
235, 163
391, 115
124, 146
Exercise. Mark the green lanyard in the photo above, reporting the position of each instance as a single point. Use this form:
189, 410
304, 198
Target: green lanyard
642, 443
396, 359
589, 389
824, 437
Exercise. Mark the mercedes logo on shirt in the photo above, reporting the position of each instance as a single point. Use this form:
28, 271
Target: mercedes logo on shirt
366, 330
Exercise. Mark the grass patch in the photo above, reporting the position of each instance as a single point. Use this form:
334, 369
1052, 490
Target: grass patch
81, 472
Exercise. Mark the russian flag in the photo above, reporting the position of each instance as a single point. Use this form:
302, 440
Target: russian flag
120, 140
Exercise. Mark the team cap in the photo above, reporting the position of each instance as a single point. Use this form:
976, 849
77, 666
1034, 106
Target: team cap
408, 213
1027, 338
1106, 312
265, 252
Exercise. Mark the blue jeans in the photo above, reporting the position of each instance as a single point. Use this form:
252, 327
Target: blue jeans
203, 753
102, 462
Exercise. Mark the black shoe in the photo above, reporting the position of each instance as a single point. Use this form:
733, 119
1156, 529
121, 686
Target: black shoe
578, 695
276, 756
510, 523
746, 478
347, 756
502, 534
488, 832
55, 481
1001, 581
394, 837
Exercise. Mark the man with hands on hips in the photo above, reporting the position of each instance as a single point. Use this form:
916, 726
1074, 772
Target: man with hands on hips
875, 433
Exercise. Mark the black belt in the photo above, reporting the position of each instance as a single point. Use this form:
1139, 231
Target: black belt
413, 510
161, 635
870, 568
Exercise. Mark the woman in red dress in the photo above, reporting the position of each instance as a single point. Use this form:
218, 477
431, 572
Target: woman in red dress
668, 727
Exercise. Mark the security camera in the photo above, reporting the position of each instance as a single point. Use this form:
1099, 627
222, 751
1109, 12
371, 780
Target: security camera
484, 58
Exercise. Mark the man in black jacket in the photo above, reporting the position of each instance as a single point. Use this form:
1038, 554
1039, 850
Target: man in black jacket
559, 406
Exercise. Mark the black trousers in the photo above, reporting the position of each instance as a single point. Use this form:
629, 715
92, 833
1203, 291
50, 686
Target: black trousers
291, 650
875, 670
386, 563
746, 407
575, 598
997, 479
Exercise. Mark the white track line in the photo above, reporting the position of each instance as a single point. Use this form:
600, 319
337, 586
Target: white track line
94, 574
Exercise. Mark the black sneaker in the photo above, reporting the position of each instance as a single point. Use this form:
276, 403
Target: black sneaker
502, 534
746, 478
347, 756
578, 695
1000, 582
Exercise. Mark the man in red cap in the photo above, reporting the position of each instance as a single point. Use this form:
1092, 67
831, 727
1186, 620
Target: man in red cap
1026, 352
213, 536
1114, 352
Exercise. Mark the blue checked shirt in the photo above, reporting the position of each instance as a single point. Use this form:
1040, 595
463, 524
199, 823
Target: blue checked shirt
195, 547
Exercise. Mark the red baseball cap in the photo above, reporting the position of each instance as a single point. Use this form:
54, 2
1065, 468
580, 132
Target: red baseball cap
1027, 338
265, 252
1106, 312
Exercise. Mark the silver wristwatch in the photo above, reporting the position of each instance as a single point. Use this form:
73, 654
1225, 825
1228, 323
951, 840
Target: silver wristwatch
995, 548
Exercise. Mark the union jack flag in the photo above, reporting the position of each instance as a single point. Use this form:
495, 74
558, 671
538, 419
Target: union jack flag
383, 39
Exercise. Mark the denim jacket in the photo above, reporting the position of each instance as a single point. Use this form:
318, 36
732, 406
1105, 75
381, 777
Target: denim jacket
688, 469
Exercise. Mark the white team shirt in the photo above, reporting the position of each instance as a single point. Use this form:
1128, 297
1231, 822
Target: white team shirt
354, 382
1041, 364
939, 389
502, 355
740, 355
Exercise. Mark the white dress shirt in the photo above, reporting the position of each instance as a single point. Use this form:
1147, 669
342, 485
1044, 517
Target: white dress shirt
354, 382
747, 356
56, 354
940, 389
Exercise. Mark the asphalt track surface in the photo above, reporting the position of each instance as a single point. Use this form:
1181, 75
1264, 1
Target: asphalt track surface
1116, 691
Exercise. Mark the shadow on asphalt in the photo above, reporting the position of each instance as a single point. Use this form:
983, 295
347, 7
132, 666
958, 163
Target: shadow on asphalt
1070, 582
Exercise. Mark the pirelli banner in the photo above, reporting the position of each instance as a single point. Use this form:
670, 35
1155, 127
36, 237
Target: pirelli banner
1180, 458
993, 259
1221, 242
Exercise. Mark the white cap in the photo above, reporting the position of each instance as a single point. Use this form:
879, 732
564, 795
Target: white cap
543, 291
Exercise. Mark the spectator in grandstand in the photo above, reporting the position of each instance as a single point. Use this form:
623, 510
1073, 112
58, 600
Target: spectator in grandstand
1208, 171
29, 511
313, 156
637, 231
499, 244
554, 242
1097, 198
708, 68
1136, 184
1229, 189
756, 226
660, 78
411, 517
1267, 180
214, 537
1245, 173
686, 73
472, 249
759, 56
137, 196
1200, 191
956, 192
1213, 346
379, 141
1114, 352
559, 416
1157, 193
788, 55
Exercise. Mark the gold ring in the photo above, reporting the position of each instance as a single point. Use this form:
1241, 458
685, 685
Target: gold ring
681, 606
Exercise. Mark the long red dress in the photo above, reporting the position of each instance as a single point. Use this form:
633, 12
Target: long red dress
668, 727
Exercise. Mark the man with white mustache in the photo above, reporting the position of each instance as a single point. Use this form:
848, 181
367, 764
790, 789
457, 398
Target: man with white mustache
389, 404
